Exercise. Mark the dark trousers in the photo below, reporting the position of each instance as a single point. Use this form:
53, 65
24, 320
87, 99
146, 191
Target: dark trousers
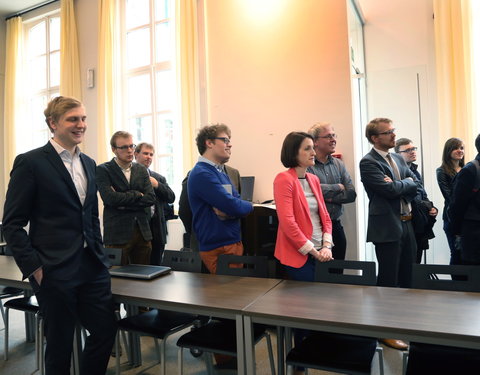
339, 243
86, 299
395, 259
158, 240
455, 256
137, 250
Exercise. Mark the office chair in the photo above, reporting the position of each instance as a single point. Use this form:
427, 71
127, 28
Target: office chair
28, 305
187, 261
161, 324
7, 292
429, 358
220, 335
334, 351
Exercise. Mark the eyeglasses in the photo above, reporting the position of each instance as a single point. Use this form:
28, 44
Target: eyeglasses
329, 136
408, 150
126, 147
388, 132
224, 139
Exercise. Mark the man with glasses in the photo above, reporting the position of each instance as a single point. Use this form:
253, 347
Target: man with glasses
215, 203
127, 196
337, 186
391, 186
424, 212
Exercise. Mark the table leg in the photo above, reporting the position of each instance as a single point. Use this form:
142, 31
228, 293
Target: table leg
133, 339
249, 346
240, 345
281, 350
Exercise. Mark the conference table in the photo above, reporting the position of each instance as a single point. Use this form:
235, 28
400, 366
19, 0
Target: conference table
436, 317
196, 293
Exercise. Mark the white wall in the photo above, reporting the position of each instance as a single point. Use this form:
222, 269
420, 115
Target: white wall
399, 44
281, 72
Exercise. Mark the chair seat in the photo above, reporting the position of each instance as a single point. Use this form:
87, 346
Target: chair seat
7, 291
156, 323
28, 304
217, 337
439, 359
334, 352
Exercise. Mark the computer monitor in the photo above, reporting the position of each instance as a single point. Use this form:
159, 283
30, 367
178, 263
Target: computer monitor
246, 186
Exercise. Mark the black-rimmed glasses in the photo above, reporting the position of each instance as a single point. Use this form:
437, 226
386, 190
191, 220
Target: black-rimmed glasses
328, 136
224, 139
408, 150
388, 132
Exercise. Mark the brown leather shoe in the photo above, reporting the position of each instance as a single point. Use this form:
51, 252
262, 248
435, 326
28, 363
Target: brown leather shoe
395, 344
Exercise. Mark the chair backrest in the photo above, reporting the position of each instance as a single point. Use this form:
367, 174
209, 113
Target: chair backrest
245, 265
187, 261
331, 272
114, 255
460, 278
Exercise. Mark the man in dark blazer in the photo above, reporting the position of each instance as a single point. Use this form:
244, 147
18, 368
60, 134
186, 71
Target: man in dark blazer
127, 196
52, 189
390, 186
164, 195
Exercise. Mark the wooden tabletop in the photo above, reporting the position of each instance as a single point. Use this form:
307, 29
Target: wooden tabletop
183, 290
448, 318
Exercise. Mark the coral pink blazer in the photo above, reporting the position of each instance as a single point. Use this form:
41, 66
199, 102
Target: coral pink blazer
295, 226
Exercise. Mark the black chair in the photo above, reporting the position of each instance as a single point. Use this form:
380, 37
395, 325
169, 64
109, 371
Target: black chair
220, 335
161, 324
333, 351
28, 305
440, 359
187, 261
7, 292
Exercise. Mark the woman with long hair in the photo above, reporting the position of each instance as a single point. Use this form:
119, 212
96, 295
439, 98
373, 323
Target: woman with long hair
453, 159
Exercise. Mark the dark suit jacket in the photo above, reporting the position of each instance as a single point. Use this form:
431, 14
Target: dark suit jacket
41, 192
384, 224
163, 195
124, 203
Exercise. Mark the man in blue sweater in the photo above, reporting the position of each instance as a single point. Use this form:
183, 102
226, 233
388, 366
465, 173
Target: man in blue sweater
215, 203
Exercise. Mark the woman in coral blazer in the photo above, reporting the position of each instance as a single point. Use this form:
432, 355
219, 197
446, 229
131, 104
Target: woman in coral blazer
305, 229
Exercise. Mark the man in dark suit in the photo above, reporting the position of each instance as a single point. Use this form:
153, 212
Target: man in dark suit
164, 195
52, 188
390, 186
127, 196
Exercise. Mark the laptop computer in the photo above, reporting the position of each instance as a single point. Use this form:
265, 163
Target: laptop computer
140, 271
246, 187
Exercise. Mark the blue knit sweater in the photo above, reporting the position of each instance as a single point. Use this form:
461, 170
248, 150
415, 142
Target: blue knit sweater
205, 191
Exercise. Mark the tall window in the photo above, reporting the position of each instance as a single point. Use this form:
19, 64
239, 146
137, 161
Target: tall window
42, 73
150, 83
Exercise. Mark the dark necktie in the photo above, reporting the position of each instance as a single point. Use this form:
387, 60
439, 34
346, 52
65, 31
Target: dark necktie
405, 209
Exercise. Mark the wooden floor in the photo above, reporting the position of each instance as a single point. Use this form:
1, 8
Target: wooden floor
22, 358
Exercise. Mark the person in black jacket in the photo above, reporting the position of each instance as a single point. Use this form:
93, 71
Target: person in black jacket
453, 160
423, 211
164, 195
464, 209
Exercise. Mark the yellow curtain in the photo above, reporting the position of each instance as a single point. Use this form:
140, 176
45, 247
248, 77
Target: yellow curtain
13, 95
453, 25
106, 73
70, 82
187, 57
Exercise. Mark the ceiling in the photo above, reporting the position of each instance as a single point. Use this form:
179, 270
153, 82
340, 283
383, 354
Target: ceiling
9, 7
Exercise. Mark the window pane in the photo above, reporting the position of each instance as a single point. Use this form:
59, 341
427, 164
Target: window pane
139, 94
166, 93
161, 9
54, 33
38, 73
164, 134
165, 166
138, 48
55, 69
37, 40
137, 13
163, 41
141, 128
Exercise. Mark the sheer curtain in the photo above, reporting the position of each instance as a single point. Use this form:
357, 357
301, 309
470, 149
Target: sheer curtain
453, 48
107, 70
70, 82
13, 94
187, 59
